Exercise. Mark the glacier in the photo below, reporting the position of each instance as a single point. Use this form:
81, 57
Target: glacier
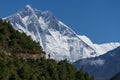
56, 38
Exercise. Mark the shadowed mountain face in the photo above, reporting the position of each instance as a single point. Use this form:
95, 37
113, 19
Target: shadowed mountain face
116, 77
102, 67
55, 37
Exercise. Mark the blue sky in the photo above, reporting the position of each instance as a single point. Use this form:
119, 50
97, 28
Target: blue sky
97, 19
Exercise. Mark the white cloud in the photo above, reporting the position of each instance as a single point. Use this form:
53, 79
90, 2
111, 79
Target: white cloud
98, 62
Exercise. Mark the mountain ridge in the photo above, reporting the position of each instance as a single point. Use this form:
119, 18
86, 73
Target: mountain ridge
102, 67
56, 38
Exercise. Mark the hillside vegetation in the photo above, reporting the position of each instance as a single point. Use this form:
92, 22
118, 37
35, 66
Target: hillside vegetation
14, 42
13, 68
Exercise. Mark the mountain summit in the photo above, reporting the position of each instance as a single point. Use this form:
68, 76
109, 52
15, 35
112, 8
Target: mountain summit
56, 38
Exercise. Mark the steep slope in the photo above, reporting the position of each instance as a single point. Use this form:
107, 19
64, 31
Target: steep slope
56, 38
30, 67
102, 67
13, 42
116, 77
100, 48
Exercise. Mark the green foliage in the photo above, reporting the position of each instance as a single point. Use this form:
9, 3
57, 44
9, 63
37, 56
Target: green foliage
15, 42
14, 68
66, 71
80, 75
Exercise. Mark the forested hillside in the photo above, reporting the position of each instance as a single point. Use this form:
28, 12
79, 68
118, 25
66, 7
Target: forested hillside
13, 67
11, 41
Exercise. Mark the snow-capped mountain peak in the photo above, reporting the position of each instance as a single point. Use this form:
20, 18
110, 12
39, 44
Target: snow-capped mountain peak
28, 6
56, 38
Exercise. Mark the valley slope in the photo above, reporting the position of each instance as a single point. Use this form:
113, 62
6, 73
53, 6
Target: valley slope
103, 67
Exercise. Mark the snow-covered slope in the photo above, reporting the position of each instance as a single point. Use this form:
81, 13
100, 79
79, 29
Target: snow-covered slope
100, 48
56, 38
